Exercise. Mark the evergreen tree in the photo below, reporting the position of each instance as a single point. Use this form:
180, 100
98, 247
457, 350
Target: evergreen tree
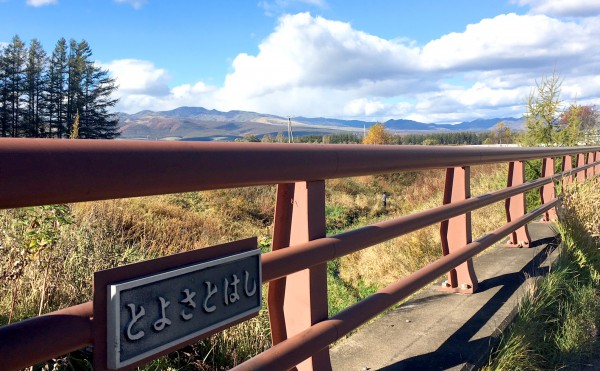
4, 116
14, 64
35, 82
97, 89
56, 90
543, 107
76, 63
89, 93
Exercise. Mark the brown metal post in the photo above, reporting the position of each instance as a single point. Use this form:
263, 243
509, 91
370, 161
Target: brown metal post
589, 172
281, 238
456, 232
567, 165
547, 191
515, 206
597, 167
300, 300
580, 162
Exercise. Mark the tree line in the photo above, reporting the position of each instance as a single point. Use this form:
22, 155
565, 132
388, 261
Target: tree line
379, 135
45, 96
500, 134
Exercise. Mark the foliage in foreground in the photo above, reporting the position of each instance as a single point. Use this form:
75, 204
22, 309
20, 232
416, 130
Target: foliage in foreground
558, 322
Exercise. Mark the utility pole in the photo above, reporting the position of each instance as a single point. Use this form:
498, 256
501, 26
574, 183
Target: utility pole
290, 134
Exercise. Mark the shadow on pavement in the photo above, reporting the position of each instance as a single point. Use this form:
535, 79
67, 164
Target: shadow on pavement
458, 348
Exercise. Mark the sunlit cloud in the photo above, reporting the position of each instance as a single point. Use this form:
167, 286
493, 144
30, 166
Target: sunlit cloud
142, 85
563, 8
38, 3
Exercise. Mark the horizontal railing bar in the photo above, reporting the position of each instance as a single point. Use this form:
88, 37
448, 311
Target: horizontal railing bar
49, 171
299, 347
41, 338
280, 263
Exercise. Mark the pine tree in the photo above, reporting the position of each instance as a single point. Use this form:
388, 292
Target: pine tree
14, 57
76, 63
35, 82
97, 88
89, 93
4, 116
543, 107
56, 90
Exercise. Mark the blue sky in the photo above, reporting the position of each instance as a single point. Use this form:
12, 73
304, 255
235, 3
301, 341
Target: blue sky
431, 60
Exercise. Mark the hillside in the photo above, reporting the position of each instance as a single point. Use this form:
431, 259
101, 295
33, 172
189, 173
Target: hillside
201, 124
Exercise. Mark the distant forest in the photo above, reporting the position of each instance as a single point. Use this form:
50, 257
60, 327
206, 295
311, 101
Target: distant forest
43, 96
451, 138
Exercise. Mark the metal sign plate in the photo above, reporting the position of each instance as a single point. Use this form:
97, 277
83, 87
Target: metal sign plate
148, 315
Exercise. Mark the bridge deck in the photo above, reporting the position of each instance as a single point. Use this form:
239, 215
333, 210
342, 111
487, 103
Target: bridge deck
436, 330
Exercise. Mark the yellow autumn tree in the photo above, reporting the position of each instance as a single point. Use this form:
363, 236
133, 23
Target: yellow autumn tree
378, 135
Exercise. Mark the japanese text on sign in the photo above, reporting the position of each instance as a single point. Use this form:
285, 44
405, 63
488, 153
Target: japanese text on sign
149, 314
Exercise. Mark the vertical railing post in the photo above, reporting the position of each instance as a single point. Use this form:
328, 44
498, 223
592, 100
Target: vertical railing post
515, 206
597, 167
547, 191
299, 300
456, 232
282, 226
567, 165
589, 172
580, 162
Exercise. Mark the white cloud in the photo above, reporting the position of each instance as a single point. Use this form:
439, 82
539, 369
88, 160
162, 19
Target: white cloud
136, 4
142, 85
312, 66
508, 42
306, 55
38, 3
564, 8
139, 77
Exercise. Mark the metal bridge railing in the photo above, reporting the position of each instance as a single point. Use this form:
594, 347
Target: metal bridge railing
38, 172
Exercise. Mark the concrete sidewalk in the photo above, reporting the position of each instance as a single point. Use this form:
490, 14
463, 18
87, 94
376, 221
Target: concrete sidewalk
437, 331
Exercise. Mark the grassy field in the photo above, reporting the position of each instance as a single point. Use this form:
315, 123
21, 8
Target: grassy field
558, 321
48, 254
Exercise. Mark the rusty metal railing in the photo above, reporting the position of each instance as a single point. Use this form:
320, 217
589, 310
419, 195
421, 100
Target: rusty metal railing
37, 172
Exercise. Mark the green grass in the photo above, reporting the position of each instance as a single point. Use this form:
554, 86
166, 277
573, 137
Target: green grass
558, 320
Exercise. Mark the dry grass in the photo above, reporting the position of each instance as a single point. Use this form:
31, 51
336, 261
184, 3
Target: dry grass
387, 262
100, 235
112, 233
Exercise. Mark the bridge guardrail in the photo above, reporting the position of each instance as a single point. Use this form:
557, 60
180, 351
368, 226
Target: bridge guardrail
39, 171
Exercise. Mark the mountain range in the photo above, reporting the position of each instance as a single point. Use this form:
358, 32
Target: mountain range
201, 124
